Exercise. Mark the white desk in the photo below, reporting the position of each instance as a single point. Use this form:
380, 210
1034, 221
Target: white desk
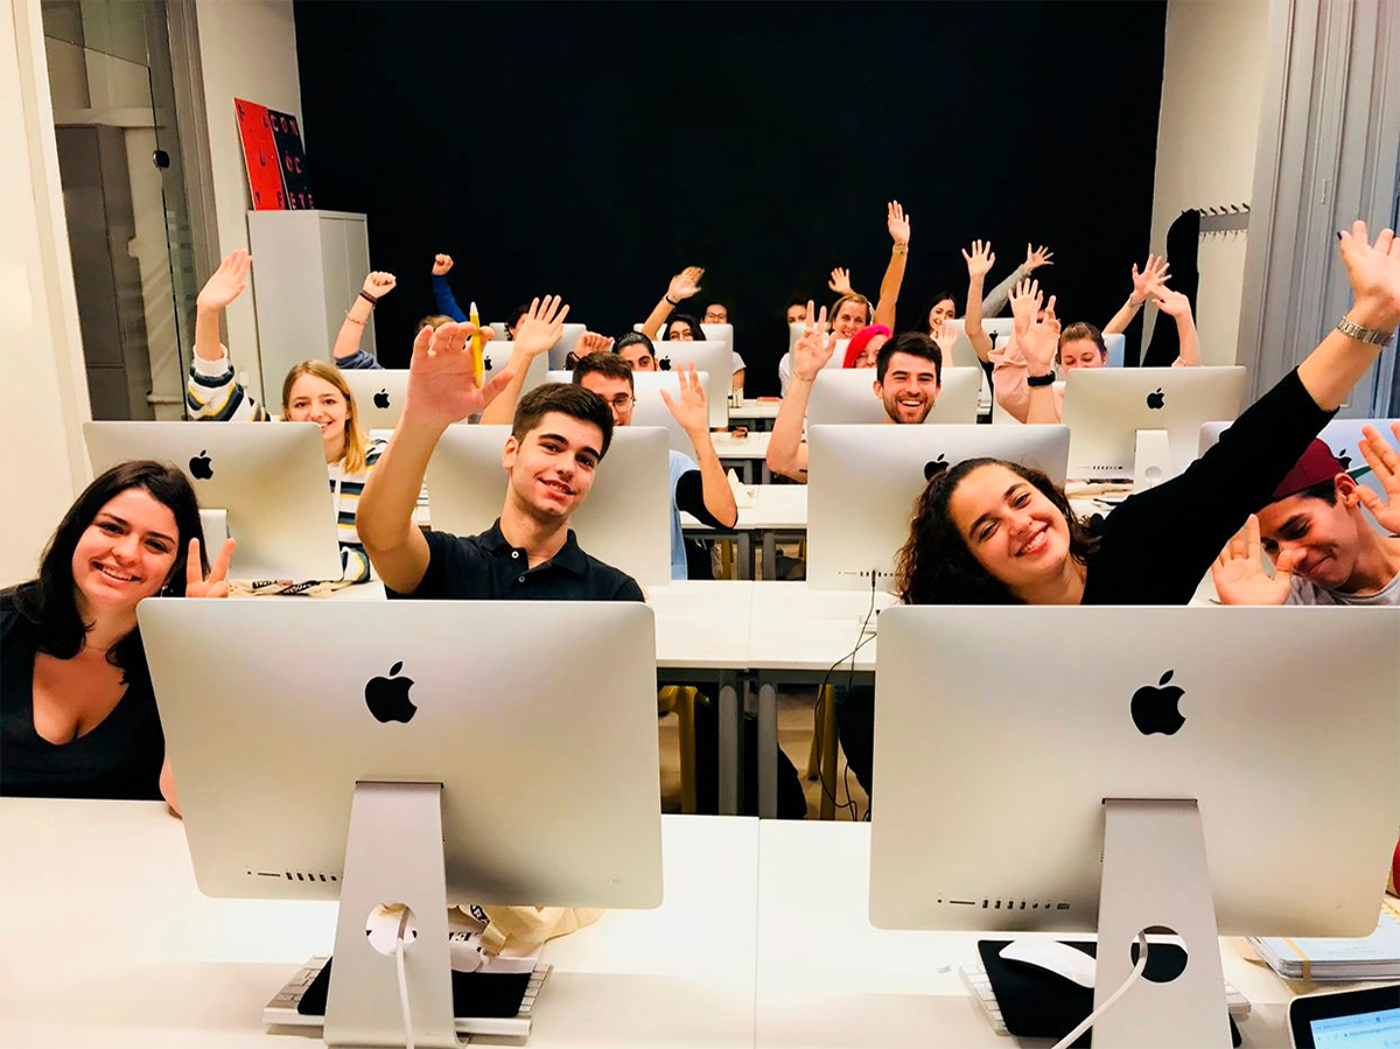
759, 411
828, 978
744, 452
778, 510
109, 943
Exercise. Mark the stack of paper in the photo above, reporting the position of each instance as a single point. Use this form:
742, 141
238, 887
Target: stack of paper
1375, 957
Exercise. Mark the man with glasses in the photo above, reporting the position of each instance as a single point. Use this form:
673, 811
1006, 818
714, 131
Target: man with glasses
700, 490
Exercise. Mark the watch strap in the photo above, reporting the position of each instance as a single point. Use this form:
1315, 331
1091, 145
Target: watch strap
1361, 333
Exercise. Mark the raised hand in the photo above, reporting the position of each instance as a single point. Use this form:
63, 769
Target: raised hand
946, 337
1153, 275
378, 284
898, 223
692, 411
196, 585
685, 283
1374, 273
840, 282
542, 326
442, 386
1025, 301
1386, 464
1037, 336
1239, 574
590, 342
227, 282
982, 259
441, 264
814, 349
1172, 303
1041, 256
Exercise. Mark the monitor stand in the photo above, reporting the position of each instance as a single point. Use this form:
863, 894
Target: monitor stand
1155, 875
1152, 460
215, 525
393, 854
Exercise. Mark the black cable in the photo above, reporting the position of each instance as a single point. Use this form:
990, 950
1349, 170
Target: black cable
817, 731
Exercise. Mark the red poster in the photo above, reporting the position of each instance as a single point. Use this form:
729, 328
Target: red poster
260, 153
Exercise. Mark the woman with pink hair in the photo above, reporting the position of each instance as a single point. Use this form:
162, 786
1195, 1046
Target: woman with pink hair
865, 346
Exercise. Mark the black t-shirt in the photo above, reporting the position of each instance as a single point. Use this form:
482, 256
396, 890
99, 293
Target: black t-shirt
120, 758
1157, 546
486, 567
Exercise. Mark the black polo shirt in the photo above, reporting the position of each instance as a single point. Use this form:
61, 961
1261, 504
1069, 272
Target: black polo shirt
486, 567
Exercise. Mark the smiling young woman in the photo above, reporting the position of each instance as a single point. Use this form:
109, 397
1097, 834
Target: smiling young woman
77, 713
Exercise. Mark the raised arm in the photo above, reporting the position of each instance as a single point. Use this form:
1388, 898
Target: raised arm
1025, 354
787, 453
346, 351
212, 389
542, 327
996, 299
693, 413
683, 285
223, 286
442, 390
1178, 307
979, 263
1145, 285
898, 224
442, 291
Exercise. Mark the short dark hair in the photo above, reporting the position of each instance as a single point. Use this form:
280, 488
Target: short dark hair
608, 364
520, 311
46, 604
915, 343
696, 332
632, 338
1324, 490
567, 399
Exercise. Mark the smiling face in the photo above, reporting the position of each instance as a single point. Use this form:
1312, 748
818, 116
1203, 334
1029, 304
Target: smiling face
638, 357
552, 466
617, 392
1011, 528
716, 314
871, 352
1325, 536
680, 332
313, 399
910, 388
943, 310
850, 318
127, 552
1081, 353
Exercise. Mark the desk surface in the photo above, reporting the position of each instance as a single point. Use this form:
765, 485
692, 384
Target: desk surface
776, 507
754, 446
827, 977
121, 950
702, 624
796, 627
755, 409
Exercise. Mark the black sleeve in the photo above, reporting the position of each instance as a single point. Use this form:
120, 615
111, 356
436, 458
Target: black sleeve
1173, 532
454, 568
628, 590
690, 497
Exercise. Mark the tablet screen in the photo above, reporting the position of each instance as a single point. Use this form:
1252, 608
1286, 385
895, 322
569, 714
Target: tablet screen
1375, 1030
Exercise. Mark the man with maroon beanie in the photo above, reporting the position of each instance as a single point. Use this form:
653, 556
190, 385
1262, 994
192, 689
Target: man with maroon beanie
1325, 551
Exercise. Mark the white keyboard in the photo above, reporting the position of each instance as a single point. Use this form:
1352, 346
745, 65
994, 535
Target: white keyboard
283, 1007
981, 987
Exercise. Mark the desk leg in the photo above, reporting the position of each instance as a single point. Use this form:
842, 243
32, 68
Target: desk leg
767, 750
729, 737
770, 554
748, 470
765, 473
743, 556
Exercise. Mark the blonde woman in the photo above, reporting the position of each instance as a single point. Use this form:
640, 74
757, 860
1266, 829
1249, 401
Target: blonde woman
313, 391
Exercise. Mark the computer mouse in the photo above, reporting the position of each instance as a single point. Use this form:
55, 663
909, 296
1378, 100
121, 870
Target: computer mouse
1055, 956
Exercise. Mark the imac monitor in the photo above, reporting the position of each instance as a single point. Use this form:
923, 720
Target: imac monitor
436, 759
846, 395
1209, 771
380, 392
711, 359
998, 328
269, 478
881, 470
1144, 423
625, 521
559, 352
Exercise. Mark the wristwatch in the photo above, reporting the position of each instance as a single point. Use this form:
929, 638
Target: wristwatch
1361, 333
1048, 379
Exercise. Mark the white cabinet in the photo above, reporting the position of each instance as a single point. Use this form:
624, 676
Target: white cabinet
308, 266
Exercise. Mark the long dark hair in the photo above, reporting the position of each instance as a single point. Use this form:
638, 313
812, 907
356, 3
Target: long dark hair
47, 604
696, 332
936, 567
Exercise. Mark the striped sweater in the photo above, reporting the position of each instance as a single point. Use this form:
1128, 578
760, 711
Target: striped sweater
213, 393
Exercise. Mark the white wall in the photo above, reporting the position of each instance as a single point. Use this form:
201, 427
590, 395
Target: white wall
1212, 90
43, 387
247, 50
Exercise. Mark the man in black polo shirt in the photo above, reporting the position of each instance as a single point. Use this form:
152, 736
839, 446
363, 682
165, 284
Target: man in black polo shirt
559, 436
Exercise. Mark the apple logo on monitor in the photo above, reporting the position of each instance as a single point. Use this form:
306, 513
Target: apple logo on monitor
200, 469
1156, 401
381, 399
664, 363
387, 697
934, 467
486, 363
1154, 709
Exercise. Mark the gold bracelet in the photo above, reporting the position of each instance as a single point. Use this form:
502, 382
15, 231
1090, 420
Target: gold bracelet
901, 249
352, 320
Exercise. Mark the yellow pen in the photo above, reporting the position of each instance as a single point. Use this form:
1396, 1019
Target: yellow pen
478, 364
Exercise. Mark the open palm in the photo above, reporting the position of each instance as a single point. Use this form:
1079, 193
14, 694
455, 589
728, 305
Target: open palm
542, 327
1240, 578
897, 222
685, 283
691, 409
1386, 464
442, 387
227, 282
982, 259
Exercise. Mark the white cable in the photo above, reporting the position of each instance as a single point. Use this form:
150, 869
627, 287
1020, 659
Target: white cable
1089, 1021
403, 983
